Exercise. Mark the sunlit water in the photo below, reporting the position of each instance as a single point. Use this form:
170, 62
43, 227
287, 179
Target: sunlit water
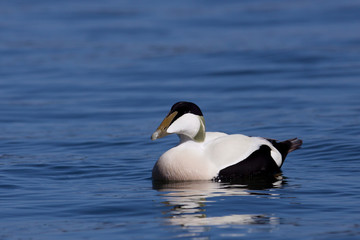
83, 84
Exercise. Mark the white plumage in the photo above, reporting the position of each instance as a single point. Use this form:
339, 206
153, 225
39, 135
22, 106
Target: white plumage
204, 155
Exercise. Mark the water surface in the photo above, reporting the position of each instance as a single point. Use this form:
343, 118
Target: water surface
84, 84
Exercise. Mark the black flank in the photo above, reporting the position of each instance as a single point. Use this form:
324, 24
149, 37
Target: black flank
258, 163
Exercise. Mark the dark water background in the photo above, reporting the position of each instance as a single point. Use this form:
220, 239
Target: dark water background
83, 84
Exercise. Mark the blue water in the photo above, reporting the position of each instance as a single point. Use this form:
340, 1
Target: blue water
83, 84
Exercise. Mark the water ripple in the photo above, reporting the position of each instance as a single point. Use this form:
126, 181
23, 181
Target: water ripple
83, 86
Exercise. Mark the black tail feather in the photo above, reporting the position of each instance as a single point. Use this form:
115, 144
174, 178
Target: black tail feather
286, 146
295, 143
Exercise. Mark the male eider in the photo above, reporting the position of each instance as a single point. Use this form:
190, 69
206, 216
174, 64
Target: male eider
214, 155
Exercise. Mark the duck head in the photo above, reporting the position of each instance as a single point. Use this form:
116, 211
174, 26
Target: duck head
186, 120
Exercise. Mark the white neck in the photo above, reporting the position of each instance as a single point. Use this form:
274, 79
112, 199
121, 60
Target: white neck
184, 138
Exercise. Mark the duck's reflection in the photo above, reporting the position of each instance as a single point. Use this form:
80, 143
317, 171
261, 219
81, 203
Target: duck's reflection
189, 201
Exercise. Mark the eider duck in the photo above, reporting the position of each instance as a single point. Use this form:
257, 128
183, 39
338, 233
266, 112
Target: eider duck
216, 156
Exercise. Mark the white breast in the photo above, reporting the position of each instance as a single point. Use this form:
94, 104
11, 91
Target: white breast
202, 161
184, 162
